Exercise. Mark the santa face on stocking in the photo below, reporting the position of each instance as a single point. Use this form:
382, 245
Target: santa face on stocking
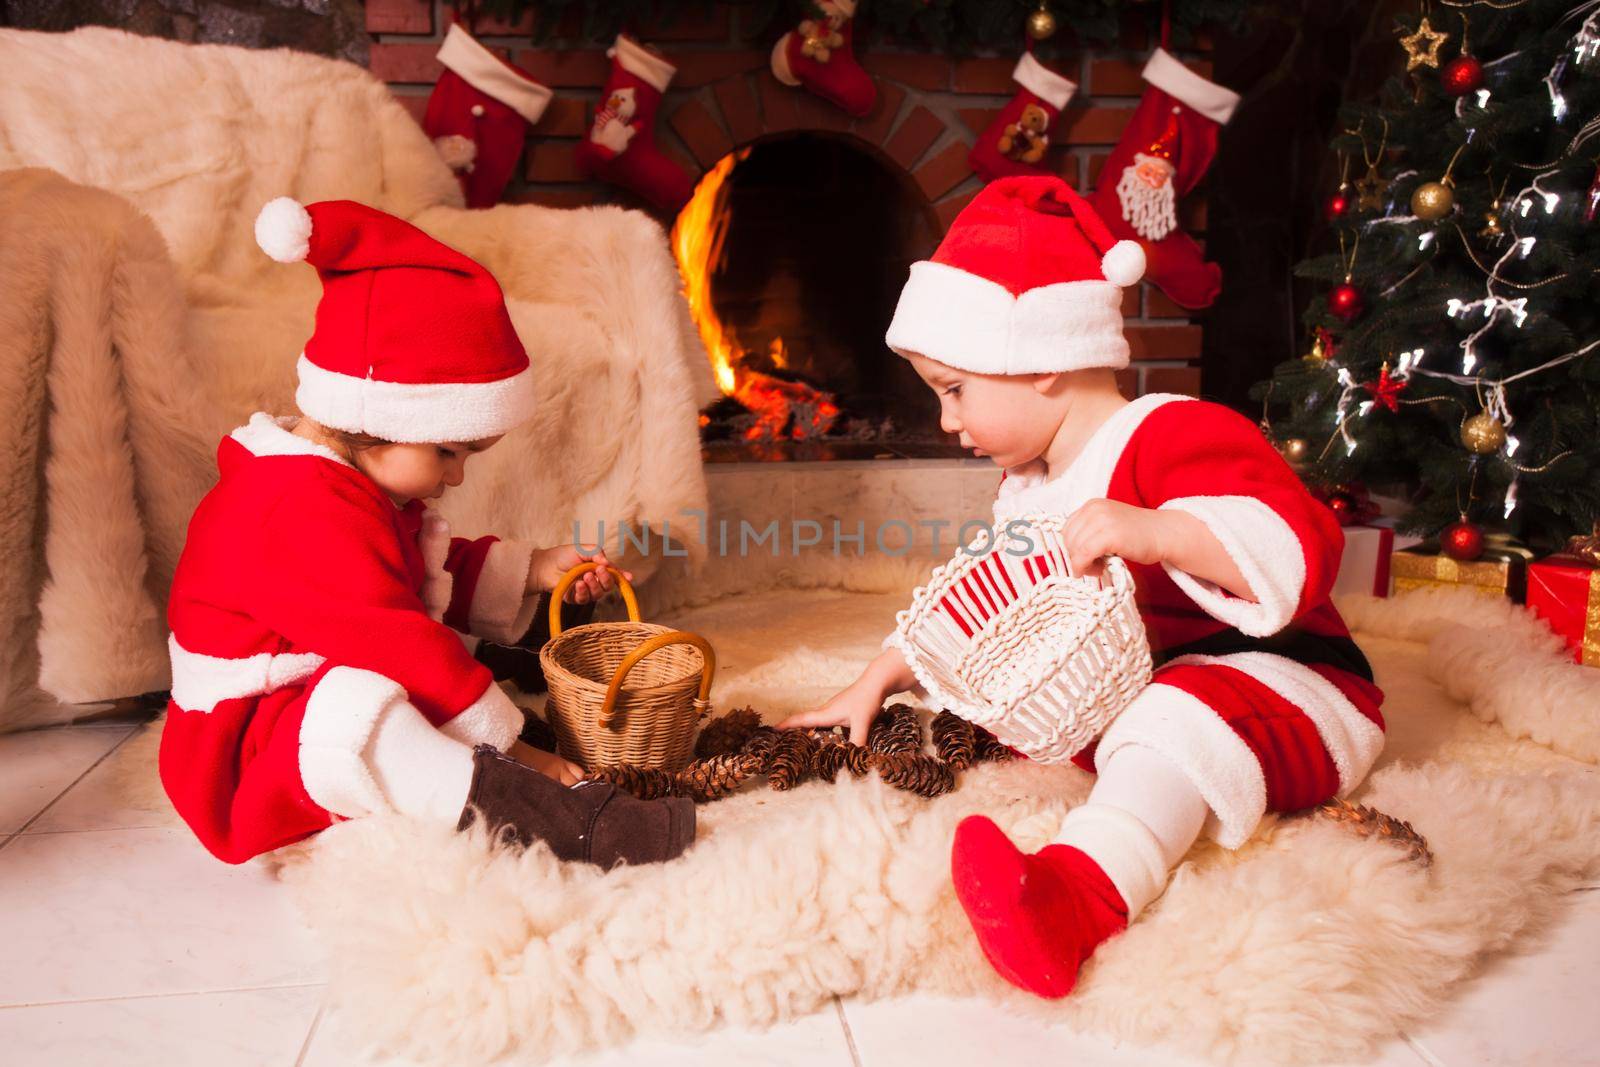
612, 127
1148, 202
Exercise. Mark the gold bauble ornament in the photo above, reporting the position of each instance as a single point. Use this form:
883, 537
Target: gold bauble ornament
1433, 201
1041, 24
1294, 449
1483, 434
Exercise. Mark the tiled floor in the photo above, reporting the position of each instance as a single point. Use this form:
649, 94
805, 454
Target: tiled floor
121, 942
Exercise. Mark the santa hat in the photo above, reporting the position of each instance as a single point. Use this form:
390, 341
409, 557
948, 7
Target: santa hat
412, 340
1028, 281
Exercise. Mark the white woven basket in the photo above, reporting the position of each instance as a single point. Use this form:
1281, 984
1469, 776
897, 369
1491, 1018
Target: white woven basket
1019, 645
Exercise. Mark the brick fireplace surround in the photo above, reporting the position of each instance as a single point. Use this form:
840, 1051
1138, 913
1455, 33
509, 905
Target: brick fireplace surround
929, 110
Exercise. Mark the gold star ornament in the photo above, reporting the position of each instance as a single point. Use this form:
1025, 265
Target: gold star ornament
1369, 191
1422, 47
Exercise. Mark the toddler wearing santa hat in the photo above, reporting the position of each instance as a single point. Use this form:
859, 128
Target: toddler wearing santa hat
1260, 700
317, 611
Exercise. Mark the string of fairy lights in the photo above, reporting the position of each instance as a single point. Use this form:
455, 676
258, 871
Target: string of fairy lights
1488, 431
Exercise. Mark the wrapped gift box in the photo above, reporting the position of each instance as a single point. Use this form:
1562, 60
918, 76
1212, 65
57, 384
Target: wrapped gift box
1565, 592
1501, 571
1364, 567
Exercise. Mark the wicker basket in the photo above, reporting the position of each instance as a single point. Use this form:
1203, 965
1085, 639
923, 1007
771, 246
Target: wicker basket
596, 721
1019, 645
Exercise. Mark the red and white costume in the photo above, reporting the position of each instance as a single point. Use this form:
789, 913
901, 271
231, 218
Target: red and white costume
318, 669
1266, 706
304, 608
1259, 704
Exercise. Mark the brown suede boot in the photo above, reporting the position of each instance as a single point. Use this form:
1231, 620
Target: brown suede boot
591, 821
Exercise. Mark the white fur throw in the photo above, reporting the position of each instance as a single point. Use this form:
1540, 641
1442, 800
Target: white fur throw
1308, 945
141, 321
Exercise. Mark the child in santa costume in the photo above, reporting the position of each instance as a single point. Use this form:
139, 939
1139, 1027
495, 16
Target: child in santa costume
319, 670
1260, 701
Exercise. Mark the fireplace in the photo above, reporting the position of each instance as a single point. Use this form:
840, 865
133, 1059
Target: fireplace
793, 251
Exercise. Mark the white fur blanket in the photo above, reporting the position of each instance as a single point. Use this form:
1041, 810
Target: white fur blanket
1308, 945
141, 322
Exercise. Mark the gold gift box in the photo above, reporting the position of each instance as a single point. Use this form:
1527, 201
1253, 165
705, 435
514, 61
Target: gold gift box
1501, 572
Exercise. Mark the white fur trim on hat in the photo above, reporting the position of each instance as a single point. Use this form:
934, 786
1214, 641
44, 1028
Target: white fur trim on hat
639, 61
283, 230
976, 325
484, 71
426, 412
1124, 264
1043, 82
1208, 98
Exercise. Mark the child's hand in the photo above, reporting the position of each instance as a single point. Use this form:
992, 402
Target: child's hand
1106, 528
549, 564
855, 707
546, 763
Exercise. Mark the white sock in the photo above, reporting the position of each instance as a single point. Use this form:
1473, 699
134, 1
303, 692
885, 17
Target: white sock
422, 772
1140, 819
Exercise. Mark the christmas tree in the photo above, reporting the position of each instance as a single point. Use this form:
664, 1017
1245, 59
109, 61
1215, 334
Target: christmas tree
1455, 349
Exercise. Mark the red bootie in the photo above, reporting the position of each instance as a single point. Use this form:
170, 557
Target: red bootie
1038, 917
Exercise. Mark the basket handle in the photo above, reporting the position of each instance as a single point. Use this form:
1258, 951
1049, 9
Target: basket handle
573, 575
676, 637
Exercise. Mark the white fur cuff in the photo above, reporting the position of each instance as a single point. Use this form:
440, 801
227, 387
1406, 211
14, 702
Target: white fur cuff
427, 412
1265, 550
501, 608
492, 719
1179, 726
1124, 848
341, 713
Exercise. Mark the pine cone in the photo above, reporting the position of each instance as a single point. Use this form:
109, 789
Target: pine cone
895, 730
646, 783
761, 743
837, 755
986, 747
1371, 823
712, 779
953, 740
726, 734
916, 773
793, 759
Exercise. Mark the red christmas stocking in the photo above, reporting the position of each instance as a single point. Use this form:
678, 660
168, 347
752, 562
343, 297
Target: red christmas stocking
621, 146
478, 115
818, 55
1164, 152
1015, 142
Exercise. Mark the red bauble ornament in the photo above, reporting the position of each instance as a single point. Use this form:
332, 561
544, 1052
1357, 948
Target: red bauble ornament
1343, 506
1346, 302
1338, 206
1462, 75
1462, 541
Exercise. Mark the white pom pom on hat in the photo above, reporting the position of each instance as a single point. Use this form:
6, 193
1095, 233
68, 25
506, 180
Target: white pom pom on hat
283, 230
1124, 264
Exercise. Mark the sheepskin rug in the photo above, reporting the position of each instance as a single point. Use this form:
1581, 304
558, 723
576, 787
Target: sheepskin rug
1308, 945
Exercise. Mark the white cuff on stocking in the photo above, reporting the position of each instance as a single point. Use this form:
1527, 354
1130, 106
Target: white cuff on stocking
485, 72
639, 61
1208, 98
1043, 82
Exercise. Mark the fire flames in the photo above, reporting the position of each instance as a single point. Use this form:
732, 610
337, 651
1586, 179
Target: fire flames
782, 408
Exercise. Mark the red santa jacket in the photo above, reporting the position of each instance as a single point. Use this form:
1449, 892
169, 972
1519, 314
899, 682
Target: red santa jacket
1175, 453
296, 564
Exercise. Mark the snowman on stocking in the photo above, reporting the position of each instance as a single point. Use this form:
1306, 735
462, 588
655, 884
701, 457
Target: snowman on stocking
1164, 152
